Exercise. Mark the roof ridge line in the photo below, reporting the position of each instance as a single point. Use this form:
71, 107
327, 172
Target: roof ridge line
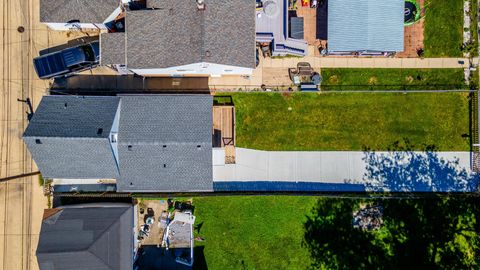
88, 249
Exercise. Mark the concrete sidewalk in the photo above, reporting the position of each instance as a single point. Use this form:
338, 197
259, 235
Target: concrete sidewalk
363, 62
334, 170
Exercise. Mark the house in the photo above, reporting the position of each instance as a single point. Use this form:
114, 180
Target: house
172, 38
365, 27
179, 38
87, 237
273, 26
165, 38
126, 143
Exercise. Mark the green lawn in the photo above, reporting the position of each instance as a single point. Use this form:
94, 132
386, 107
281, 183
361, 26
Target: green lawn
444, 28
350, 121
288, 232
243, 232
392, 79
474, 27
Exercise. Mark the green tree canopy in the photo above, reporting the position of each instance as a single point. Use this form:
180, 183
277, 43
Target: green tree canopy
427, 233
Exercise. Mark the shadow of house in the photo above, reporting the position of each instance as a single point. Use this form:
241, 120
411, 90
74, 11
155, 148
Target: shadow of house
128, 84
153, 258
69, 44
412, 171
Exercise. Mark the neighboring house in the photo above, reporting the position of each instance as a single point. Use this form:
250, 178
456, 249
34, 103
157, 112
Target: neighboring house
127, 143
165, 38
172, 38
178, 38
87, 237
79, 14
274, 26
366, 27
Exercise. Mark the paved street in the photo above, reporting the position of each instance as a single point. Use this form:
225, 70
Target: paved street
21, 200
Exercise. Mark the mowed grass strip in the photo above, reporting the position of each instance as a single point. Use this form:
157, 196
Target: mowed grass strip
253, 232
392, 79
351, 121
443, 28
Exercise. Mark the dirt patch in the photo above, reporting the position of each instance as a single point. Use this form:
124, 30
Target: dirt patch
333, 79
373, 80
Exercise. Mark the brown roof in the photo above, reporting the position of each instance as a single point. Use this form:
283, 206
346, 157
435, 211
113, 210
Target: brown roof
50, 212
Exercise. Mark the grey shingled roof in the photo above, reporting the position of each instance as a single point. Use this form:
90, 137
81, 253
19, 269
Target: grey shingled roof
85, 116
181, 123
93, 238
87, 11
112, 48
178, 34
63, 137
73, 158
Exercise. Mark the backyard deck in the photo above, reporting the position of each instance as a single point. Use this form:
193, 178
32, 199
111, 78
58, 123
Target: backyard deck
223, 125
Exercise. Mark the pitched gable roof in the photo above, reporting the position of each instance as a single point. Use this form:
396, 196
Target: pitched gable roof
165, 143
87, 238
68, 137
179, 34
73, 116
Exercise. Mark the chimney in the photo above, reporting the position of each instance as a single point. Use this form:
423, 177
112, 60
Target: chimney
200, 4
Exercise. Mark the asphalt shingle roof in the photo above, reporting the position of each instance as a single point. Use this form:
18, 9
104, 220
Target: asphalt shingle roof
112, 47
179, 34
68, 137
73, 116
73, 158
164, 141
359, 25
87, 11
98, 238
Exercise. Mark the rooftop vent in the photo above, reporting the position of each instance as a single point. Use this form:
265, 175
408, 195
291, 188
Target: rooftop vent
114, 138
99, 131
129, 148
200, 4
37, 141
65, 105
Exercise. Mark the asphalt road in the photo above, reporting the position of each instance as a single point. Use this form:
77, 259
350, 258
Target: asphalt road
21, 199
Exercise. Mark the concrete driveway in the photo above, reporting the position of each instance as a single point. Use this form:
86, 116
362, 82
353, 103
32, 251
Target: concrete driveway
333, 170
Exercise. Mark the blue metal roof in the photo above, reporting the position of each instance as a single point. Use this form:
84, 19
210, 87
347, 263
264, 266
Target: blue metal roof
365, 25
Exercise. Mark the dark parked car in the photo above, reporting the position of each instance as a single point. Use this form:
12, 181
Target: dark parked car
68, 60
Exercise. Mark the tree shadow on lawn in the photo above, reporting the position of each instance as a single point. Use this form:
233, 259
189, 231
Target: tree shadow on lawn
427, 233
436, 231
402, 169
